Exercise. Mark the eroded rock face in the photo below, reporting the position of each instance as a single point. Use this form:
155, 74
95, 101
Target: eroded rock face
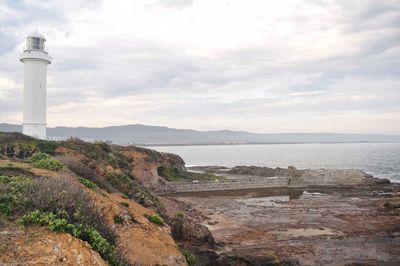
39, 246
145, 163
140, 241
16, 151
187, 229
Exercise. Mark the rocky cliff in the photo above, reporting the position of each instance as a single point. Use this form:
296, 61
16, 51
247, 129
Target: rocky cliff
79, 203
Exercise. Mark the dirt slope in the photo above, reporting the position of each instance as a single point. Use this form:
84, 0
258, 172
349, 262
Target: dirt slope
39, 246
138, 239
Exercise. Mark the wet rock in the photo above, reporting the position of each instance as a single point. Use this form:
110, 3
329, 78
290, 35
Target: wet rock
291, 171
381, 181
269, 259
187, 229
391, 205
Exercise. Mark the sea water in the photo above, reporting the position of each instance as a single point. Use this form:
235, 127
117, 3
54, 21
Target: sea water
378, 159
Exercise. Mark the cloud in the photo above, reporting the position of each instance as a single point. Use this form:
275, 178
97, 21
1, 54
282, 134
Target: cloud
255, 65
179, 4
9, 40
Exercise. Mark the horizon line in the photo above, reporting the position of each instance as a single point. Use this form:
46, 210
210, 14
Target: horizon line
217, 130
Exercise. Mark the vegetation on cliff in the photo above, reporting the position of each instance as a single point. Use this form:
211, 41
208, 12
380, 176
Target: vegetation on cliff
65, 187
100, 163
174, 174
60, 204
154, 219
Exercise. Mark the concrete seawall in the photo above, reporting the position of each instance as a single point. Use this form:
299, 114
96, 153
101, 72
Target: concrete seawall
229, 184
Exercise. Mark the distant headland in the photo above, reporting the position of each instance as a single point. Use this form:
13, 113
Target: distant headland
158, 135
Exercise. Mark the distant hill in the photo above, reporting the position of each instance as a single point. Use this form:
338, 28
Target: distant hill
155, 135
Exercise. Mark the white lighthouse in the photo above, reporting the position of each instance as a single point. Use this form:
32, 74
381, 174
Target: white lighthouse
35, 59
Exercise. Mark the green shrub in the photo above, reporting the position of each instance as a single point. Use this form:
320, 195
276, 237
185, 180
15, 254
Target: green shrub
83, 170
179, 214
90, 150
11, 170
37, 217
170, 173
89, 234
174, 174
118, 219
120, 181
49, 163
87, 183
64, 196
104, 146
39, 156
145, 197
47, 146
154, 219
99, 151
190, 258
125, 204
12, 194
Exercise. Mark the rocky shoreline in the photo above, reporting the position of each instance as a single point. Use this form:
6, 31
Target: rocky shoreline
309, 217
322, 217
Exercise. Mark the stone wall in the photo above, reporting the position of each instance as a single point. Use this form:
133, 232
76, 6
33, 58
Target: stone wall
229, 184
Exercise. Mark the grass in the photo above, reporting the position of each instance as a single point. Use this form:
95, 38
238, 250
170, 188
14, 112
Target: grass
87, 183
190, 258
179, 214
173, 174
154, 219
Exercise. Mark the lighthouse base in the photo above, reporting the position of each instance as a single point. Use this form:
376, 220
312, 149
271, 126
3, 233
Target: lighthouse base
34, 130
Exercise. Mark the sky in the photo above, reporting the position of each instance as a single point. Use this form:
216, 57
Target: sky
254, 65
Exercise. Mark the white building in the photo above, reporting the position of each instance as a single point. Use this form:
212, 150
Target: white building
35, 59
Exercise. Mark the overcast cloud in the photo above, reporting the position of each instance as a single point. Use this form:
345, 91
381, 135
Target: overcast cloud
256, 65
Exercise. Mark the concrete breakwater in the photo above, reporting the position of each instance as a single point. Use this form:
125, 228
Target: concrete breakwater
229, 184
244, 178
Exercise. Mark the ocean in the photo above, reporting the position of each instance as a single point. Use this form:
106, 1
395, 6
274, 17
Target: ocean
378, 159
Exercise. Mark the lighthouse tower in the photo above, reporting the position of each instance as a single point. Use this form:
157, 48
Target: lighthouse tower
35, 59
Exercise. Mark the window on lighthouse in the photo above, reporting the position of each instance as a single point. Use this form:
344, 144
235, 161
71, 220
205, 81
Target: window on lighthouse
35, 43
